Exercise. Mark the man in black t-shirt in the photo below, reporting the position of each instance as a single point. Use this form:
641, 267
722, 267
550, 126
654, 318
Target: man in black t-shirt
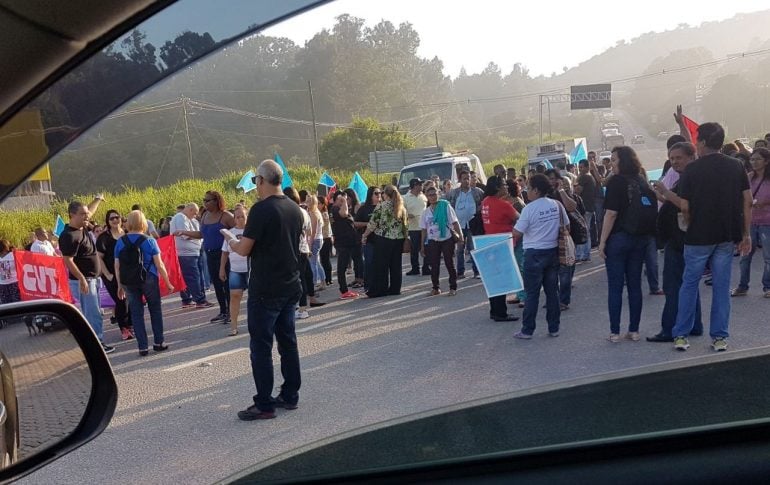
347, 242
79, 251
271, 240
586, 189
672, 237
716, 205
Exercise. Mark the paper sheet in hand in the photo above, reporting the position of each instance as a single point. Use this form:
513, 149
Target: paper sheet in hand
498, 269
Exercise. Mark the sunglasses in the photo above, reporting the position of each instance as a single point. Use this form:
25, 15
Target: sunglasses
376, 193
208, 200
114, 218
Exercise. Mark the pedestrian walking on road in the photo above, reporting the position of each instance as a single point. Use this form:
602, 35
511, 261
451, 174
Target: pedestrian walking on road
389, 228
760, 222
538, 227
238, 279
138, 269
714, 226
440, 231
629, 219
105, 247
213, 219
271, 241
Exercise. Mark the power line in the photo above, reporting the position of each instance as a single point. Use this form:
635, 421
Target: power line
168, 149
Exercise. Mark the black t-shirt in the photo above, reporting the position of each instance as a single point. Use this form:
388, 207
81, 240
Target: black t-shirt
105, 244
345, 234
275, 225
364, 214
588, 194
78, 244
713, 185
616, 198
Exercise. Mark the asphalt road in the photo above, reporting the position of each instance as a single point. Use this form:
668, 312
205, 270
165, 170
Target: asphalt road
363, 362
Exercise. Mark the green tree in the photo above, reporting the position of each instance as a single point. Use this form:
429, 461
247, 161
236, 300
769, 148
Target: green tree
349, 147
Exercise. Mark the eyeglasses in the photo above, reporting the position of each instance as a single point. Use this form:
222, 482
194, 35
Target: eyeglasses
431, 194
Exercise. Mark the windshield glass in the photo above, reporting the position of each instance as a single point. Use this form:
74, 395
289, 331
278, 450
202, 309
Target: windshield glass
382, 334
425, 172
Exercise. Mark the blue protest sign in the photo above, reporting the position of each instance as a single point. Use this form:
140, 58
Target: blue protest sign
498, 269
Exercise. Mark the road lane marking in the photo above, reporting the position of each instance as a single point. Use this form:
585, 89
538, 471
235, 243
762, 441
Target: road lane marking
204, 359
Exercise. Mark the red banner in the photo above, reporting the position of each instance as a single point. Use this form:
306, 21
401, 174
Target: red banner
692, 127
168, 254
41, 276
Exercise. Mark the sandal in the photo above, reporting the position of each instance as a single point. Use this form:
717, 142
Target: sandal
767, 294
614, 338
233, 332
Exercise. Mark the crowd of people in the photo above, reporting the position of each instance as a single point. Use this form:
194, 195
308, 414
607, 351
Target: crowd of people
711, 204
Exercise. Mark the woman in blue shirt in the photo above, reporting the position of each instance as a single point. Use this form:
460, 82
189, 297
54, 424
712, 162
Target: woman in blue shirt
136, 224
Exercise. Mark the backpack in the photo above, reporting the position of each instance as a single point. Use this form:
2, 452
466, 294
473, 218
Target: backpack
132, 271
640, 218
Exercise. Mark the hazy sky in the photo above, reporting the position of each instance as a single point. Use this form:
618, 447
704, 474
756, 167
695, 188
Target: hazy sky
544, 35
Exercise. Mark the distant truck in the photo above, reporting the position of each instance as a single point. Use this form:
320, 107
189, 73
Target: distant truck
556, 154
612, 140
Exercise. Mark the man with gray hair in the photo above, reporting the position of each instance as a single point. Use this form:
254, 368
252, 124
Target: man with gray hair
187, 236
271, 240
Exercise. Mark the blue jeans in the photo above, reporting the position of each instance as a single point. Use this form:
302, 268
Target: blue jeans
541, 269
319, 275
625, 255
598, 220
192, 278
583, 251
673, 271
651, 264
468, 237
151, 292
566, 273
89, 304
760, 236
268, 317
720, 256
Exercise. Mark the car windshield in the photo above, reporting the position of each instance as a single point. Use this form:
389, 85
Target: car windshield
443, 170
384, 334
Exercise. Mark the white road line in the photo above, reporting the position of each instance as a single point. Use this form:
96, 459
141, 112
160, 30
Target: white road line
204, 359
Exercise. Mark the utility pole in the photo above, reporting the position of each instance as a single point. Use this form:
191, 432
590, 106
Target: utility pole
550, 134
187, 136
436, 133
540, 111
315, 130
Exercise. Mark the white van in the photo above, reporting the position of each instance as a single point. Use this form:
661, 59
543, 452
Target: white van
445, 165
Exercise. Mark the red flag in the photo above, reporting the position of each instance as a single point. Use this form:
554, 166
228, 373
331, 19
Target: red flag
168, 254
41, 276
692, 127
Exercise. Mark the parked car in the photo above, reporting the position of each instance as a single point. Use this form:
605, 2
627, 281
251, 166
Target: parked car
637, 140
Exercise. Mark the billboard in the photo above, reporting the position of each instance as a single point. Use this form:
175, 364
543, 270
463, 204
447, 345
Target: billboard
591, 96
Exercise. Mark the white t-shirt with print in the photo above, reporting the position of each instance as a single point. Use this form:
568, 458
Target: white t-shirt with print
539, 223
8, 269
434, 232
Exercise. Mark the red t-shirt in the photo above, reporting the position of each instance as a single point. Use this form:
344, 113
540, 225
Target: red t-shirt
498, 215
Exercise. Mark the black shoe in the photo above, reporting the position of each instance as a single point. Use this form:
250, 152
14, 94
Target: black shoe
113, 320
108, 349
144, 353
413, 273
160, 348
660, 338
426, 272
279, 402
252, 413
506, 318
461, 276
317, 304
219, 318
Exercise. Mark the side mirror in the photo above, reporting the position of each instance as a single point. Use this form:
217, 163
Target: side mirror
57, 389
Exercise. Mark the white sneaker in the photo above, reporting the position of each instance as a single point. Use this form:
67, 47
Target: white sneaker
301, 315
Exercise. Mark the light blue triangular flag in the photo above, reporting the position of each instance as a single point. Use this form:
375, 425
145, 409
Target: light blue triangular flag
58, 227
287, 182
247, 182
579, 153
359, 186
654, 174
327, 180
